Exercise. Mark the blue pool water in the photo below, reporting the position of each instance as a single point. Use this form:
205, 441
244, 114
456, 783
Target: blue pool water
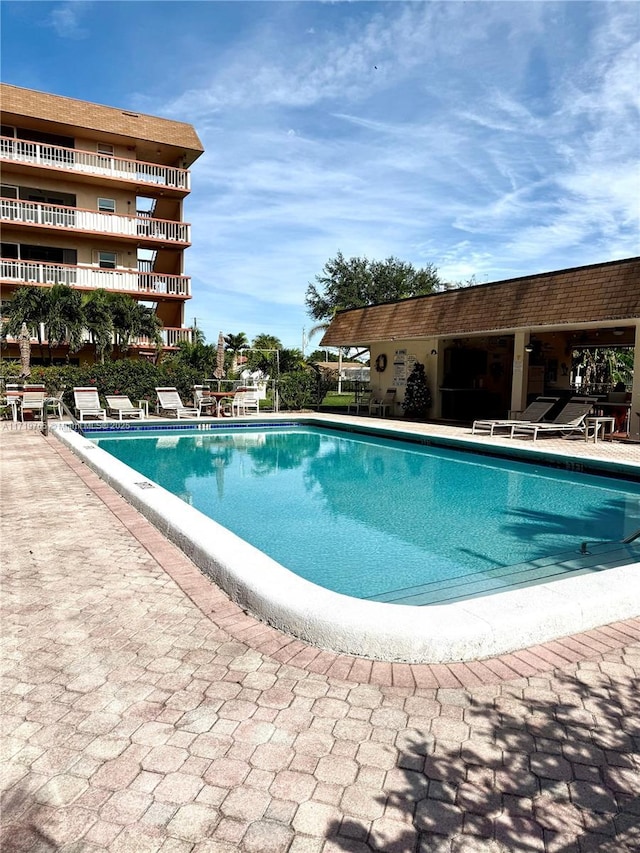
377, 518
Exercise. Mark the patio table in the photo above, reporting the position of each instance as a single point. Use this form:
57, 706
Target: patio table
219, 397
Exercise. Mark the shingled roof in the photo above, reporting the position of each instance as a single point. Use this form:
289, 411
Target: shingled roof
70, 112
589, 294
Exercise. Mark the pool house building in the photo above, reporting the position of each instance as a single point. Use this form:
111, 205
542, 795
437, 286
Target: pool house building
492, 348
92, 197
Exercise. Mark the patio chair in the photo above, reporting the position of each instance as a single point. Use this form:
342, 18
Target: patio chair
382, 403
87, 403
169, 401
201, 402
120, 406
571, 419
53, 404
245, 401
13, 398
534, 413
32, 400
361, 403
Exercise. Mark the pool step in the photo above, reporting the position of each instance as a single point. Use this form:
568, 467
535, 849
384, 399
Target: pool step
596, 558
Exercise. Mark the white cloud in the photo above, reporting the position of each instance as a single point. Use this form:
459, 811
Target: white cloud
66, 19
492, 139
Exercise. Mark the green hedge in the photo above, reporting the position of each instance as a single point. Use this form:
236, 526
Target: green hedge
299, 389
136, 379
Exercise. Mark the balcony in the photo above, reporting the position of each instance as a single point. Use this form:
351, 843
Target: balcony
90, 163
149, 285
171, 337
53, 216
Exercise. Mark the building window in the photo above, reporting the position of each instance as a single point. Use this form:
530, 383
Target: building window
107, 205
10, 250
8, 191
107, 260
105, 148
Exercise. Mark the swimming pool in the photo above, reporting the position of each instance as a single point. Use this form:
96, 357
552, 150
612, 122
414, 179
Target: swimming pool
600, 587
385, 520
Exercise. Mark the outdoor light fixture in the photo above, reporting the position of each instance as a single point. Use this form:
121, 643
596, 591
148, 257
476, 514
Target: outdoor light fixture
618, 332
528, 348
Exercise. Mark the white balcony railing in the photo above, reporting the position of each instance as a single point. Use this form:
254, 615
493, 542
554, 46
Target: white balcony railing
130, 281
170, 338
58, 216
88, 162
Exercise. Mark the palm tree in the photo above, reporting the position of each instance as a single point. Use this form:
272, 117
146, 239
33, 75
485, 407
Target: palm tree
65, 321
147, 324
30, 305
235, 343
197, 355
124, 318
99, 321
263, 358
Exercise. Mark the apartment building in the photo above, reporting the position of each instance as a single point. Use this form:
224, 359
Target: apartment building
92, 196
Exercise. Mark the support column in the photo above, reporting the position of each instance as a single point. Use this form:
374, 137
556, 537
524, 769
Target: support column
634, 419
519, 379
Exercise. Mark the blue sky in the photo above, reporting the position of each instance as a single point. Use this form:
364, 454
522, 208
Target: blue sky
490, 139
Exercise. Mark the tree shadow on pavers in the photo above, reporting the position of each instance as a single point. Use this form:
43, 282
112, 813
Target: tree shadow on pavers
547, 765
20, 824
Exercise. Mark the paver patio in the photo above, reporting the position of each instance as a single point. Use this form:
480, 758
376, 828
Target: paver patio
143, 711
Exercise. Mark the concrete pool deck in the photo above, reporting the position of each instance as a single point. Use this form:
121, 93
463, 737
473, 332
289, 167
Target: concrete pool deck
143, 711
468, 629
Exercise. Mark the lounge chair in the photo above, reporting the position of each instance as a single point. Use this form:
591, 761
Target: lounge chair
87, 404
32, 400
571, 419
534, 413
381, 404
120, 406
169, 401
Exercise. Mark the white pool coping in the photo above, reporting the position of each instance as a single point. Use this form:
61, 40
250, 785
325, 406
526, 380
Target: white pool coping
464, 630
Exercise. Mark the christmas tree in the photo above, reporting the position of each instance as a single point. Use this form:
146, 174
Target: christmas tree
417, 397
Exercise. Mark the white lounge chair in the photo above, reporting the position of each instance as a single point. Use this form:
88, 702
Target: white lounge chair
571, 419
120, 406
534, 413
87, 403
169, 401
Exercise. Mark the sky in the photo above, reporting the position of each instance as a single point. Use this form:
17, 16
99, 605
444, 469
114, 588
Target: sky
490, 139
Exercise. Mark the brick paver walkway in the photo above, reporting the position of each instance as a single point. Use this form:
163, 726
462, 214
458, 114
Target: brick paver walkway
142, 711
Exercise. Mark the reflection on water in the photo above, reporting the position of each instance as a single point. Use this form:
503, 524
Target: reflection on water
361, 515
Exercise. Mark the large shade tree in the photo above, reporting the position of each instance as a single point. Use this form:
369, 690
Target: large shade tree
357, 282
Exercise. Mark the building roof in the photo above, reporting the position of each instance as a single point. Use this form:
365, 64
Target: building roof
109, 122
589, 294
